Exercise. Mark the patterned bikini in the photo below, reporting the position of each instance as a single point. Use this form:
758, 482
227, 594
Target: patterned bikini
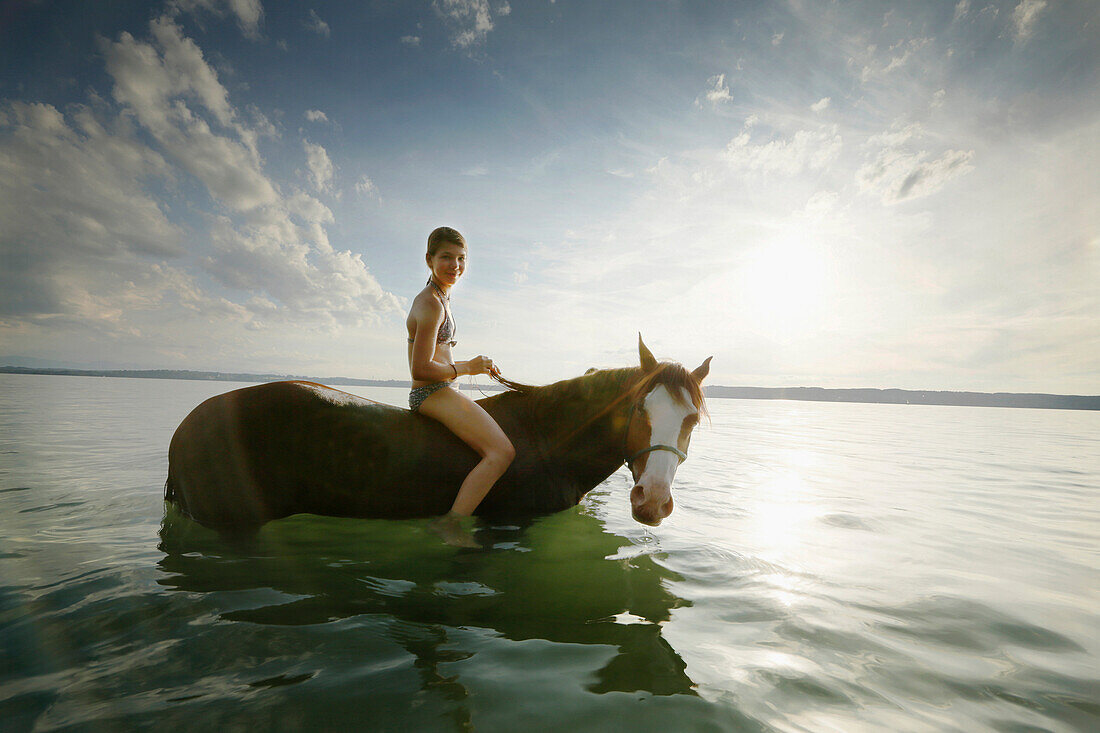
445, 335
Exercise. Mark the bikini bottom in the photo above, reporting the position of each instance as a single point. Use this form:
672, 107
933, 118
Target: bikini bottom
419, 394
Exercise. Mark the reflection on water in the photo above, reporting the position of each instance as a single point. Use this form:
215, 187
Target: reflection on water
420, 627
524, 582
828, 567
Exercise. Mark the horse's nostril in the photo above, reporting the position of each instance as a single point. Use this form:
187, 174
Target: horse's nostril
637, 495
666, 508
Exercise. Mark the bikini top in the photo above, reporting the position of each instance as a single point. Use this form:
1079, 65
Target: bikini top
448, 328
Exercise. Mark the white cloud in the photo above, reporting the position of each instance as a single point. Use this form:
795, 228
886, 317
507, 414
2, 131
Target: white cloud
316, 115
1024, 18
938, 97
413, 41
717, 92
504, 9
900, 55
805, 150
317, 25
295, 265
319, 165
961, 10
898, 134
155, 83
366, 187
777, 39
821, 204
897, 175
84, 242
249, 13
476, 171
821, 105
896, 172
470, 21
71, 195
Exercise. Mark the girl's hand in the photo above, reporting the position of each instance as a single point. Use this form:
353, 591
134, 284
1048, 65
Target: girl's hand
481, 365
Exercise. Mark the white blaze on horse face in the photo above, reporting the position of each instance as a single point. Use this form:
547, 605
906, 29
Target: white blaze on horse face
666, 418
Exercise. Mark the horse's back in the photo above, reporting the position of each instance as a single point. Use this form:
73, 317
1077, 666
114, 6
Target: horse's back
263, 452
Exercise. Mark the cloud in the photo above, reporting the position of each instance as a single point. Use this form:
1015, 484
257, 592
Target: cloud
316, 115
717, 92
366, 187
938, 97
896, 174
249, 13
86, 232
319, 165
155, 83
961, 10
821, 105
476, 171
285, 254
71, 195
899, 56
504, 9
1024, 18
413, 41
805, 150
317, 25
470, 21
777, 39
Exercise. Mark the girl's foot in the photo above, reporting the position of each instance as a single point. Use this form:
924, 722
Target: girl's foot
450, 528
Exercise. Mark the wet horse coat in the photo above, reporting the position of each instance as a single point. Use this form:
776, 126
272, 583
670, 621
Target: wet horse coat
260, 453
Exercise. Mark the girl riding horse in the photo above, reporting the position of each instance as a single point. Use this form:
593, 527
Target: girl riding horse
431, 331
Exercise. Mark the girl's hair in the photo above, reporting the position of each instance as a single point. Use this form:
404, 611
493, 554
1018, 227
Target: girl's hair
444, 235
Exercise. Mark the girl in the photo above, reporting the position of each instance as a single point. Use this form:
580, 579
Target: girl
431, 337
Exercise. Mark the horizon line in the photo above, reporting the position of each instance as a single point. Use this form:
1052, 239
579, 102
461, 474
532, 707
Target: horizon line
800, 393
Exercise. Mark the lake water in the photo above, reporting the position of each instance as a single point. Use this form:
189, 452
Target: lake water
829, 567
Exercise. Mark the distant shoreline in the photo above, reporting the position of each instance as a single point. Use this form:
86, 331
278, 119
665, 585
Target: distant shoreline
803, 394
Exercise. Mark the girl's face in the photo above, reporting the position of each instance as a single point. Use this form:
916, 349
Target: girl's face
448, 263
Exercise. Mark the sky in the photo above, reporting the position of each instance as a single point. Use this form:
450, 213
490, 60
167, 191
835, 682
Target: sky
834, 194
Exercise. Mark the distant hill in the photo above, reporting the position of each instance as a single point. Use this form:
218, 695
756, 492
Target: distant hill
809, 394
200, 376
910, 397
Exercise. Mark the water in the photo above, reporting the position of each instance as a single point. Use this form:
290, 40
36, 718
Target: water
828, 567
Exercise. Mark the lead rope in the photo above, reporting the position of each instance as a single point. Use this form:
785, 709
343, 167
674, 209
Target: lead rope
470, 381
498, 378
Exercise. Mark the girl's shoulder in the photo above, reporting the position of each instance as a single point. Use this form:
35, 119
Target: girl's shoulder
426, 302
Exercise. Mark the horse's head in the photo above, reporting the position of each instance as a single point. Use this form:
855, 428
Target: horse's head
666, 404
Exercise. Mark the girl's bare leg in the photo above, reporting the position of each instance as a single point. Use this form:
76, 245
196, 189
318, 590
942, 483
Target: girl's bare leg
466, 419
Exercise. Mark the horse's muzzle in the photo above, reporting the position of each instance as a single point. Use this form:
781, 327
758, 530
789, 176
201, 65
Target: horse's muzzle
650, 507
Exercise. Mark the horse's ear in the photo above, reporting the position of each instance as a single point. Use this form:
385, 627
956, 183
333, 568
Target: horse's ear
591, 369
648, 362
702, 370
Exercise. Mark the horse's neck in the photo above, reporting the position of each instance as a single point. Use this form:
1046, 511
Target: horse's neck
579, 426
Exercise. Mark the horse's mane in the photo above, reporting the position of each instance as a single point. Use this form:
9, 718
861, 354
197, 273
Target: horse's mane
673, 376
629, 382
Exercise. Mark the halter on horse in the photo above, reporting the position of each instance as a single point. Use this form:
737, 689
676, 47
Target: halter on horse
259, 453
672, 399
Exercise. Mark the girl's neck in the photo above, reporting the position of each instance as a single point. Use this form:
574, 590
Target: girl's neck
443, 290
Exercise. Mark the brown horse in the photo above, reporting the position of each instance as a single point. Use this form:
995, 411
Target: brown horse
259, 453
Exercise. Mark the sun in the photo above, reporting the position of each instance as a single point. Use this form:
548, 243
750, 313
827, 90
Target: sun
785, 287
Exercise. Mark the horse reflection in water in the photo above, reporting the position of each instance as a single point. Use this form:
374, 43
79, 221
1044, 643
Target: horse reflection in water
553, 580
261, 453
